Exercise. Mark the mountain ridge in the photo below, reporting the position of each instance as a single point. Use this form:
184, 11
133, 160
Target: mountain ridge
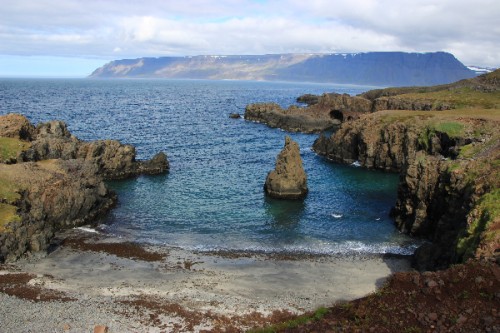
370, 68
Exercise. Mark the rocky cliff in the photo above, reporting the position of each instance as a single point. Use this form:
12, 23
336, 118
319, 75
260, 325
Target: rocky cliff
288, 180
50, 180
372, 68
449, 174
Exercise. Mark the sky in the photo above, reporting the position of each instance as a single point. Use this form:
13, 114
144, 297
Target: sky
71, 38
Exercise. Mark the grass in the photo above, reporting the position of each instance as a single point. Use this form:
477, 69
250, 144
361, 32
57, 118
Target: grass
8, 190
452, 129
293, 323
458, 98
8, 213
10, 147
488, 210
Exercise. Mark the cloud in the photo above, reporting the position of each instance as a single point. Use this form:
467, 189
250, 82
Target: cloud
123, 29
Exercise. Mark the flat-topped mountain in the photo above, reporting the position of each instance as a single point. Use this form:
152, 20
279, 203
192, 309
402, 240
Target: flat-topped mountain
372, 68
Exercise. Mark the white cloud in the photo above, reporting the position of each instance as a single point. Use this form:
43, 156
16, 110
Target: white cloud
107, 29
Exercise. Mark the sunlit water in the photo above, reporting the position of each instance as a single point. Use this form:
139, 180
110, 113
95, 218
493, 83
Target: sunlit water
213, 196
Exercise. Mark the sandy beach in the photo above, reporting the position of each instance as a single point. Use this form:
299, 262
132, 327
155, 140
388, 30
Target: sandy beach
91, 279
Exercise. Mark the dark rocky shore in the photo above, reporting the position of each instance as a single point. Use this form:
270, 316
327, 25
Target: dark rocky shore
51, 180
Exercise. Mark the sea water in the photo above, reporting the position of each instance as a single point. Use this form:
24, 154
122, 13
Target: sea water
213, 196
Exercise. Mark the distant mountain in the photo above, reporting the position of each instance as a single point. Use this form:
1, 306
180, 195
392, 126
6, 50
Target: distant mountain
481, 70
372, 68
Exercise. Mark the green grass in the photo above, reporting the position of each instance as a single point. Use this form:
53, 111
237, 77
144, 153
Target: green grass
452, 129
459, 98
293, 323
8, 213
8, 190
488, 211
10, 147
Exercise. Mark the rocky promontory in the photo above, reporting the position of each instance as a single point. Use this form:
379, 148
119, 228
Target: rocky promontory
324, 112
448, 164
288, 180
50, 180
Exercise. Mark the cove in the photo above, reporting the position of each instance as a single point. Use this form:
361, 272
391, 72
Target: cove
213, 198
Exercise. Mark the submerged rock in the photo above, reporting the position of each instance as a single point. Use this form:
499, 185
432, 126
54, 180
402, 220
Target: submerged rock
288, 180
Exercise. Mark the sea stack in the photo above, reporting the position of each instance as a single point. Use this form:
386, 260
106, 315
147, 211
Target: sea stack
288, 180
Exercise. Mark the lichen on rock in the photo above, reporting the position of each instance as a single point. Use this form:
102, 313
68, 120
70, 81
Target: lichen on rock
288, 180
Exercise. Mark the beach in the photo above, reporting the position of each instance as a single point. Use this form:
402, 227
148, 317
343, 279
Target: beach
91, 279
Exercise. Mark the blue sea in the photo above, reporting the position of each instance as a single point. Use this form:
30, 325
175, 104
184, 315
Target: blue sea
212, 198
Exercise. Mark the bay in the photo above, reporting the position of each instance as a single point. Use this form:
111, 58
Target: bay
213, 197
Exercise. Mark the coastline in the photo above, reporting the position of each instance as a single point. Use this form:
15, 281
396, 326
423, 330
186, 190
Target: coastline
98, 280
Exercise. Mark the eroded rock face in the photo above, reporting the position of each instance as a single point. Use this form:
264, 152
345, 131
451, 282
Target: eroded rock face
55, 195
114, 160
288, 180
438, 192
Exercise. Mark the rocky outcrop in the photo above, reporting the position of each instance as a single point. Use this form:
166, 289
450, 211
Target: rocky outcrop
293, 119
323, 112
372, 143
288, 180
16, 126
55, 181
52, 195
329, 110
444, 179
52, 140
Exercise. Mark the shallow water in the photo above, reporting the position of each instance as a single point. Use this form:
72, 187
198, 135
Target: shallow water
213, 196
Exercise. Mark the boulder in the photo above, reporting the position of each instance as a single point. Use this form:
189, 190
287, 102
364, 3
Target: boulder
288, 180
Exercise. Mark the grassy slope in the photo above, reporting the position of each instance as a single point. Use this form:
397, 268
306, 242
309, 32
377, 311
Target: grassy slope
10, 147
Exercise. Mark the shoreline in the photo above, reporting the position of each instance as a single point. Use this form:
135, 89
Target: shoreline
142, 288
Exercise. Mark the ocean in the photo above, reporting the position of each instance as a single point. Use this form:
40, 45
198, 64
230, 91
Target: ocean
213, 198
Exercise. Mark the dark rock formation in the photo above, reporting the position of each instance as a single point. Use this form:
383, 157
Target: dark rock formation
234, 116
114, 160
288, 180
294, 119
439, 191
371, 142
55, 195
308, 99
57, 182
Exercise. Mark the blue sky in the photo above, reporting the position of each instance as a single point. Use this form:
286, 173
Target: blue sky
70, 38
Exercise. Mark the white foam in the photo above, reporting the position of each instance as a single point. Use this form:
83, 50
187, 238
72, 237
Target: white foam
88, 230
356, 164
337, 216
